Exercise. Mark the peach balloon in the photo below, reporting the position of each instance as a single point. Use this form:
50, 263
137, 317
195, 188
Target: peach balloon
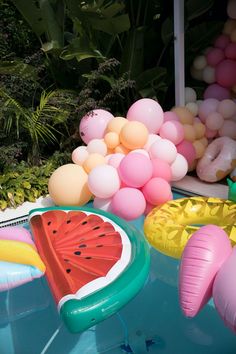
112, 140
199, 62
185, 116
214, 121
227, 108
68, 185
79, 155
199, 148
148, 112
97, 146
228, 129
121, 149
116, 124
189, 132
134, 135
92, 161
204, 141
199, 129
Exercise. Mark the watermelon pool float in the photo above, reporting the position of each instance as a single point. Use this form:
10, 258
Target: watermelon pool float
95, 262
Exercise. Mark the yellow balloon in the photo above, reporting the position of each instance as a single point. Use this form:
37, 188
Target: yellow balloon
169, 226
20, 252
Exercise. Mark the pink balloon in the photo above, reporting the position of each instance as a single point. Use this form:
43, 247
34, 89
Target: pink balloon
210, 133
222, 41
135, 170
148, 112
161, 169
226, 73
115, 159
157, 191
224, 291
172, 131
215, 56
206, 251
230, 51
128, 203
216, 91
186, 149
93, 125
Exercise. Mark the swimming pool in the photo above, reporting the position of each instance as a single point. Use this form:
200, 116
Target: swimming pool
151, 323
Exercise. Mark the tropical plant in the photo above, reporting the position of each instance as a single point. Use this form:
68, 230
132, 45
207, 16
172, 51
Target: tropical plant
37, 125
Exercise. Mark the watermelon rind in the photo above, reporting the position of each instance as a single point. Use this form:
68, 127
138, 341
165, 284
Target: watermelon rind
79, 314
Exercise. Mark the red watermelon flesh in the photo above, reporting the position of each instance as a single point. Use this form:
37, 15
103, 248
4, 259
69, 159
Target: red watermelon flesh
76, 247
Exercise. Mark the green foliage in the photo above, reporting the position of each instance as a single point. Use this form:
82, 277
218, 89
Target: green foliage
21, 183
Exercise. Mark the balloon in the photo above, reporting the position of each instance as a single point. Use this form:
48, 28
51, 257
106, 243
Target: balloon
104, 181
97, 146
186, 149
222, 41
112, 140
93, 124
92, 161
152, 138
206, 107
185, 116
148, 112
227, 108
156, 191
116, 124
169, 116
164, 150
161, 169
134, 135
179, 167
205, 252
214, 121
128, 203
215, 56
116, 159
226, 73
190, 95
172, 131
79, 155
135, 170
102, 203
68, 185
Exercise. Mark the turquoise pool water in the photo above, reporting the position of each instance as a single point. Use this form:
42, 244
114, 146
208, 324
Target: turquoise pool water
151, 323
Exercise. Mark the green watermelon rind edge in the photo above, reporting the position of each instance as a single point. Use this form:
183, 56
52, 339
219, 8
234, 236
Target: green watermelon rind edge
79, 315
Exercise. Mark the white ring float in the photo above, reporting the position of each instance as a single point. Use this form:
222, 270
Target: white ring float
218, 160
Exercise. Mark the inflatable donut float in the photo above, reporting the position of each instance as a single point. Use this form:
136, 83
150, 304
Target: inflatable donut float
218, 160
169, 226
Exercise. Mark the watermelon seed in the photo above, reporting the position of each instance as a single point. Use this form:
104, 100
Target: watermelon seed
77, 253
54, 231
82, 246
68, 221
68, 270
88, 257
102, 235
96, 228
84, 222
66, 260
99, 245
49, 223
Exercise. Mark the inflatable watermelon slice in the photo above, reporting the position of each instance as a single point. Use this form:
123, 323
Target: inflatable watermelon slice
95, 262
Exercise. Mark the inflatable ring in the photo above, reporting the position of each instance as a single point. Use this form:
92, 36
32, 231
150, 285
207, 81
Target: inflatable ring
168, 227
218, 160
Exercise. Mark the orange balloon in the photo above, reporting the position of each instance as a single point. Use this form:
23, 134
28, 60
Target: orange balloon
185, 116
199, 129
68, 185
112, 140
134, 135
92, 161
200, 148
189, 132
122, 149
116, 124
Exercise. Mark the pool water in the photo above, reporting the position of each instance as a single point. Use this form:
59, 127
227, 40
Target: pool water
151, 323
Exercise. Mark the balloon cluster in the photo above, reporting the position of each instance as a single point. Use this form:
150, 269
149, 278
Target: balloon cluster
128, 163
217, 66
